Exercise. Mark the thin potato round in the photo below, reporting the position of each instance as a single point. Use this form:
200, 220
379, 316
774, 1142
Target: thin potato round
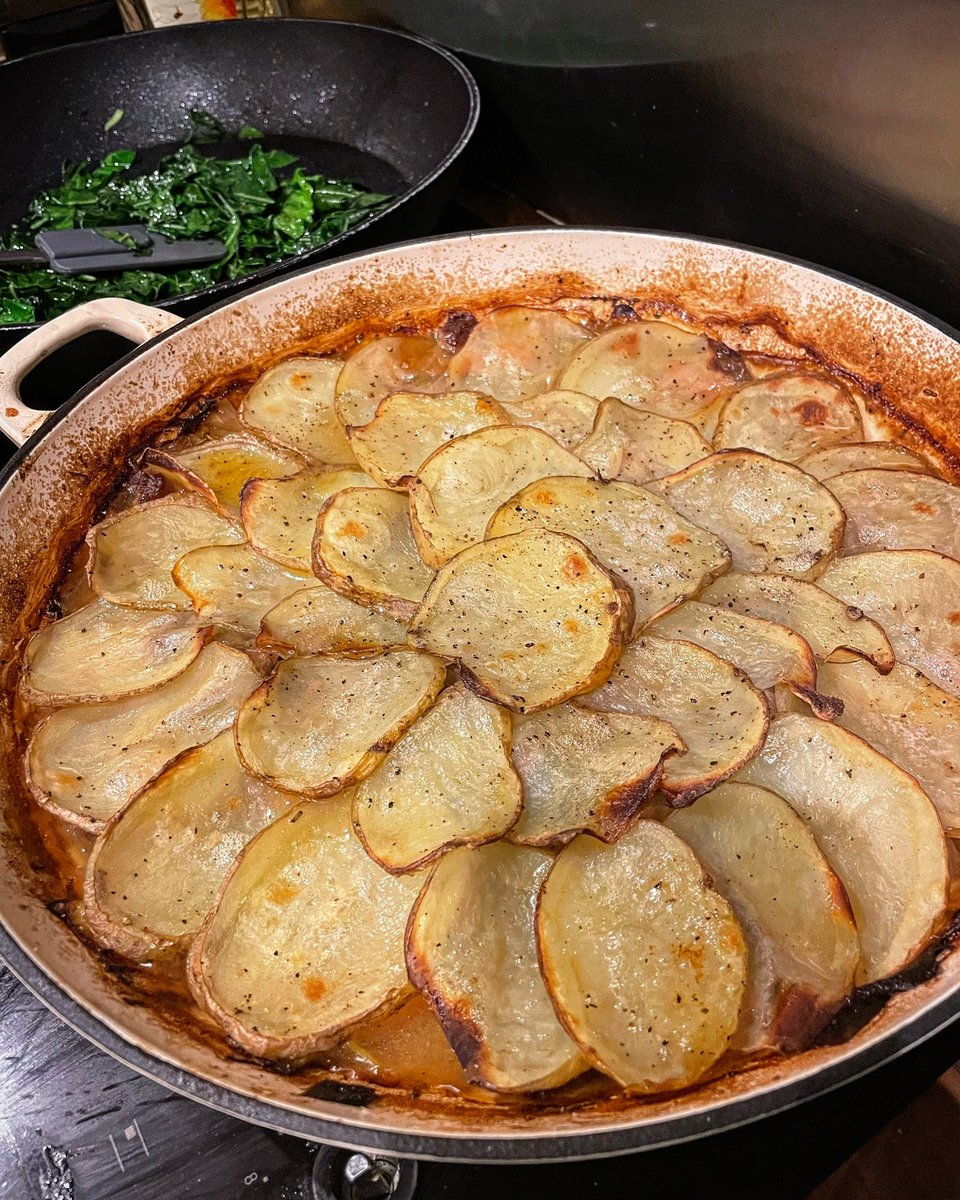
280, 515
567, 416
801, 937
876, 826
898, 510
133, 553
634, 446
772, 515
363, 548
104, 652
322, 723
645, 963
471, 950
292, 404
448, 782
533, 619
915, 596
586, 772
155, 870
388, 364
514, 353
834, 631
661, 556
462, 484
306, 939
767, 652
409, 426
219, 469
788, 416
316, 620
862, 456
85, 762
234, 585
718, 713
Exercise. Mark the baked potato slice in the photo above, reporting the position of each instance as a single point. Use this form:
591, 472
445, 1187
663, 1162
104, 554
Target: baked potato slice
634, 446
644, 962
461, 485
156, 868
306, 939
862, 456
234, 585
772, 515
898, 510
788, 416
399, 363
318, 621
292, 405
875, 825
567, 416
721, 717
532, 619
323, 722
219, 469
86, 761
132, 554
586, 772
471, 950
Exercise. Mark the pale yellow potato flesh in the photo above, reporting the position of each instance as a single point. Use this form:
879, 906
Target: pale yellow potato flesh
409, 426
155, 870
448, 782
292, 404
514, 353
461, 485
660, 555
862, 456
399, 363
772, 515
875, 825
132, 554
86, 761
633, 445
645, 963
586, 772
316, 620
788, 416
234, 585
566, 416
471, 950
306, 939
104, 651
219, 469
800, 933
898, 510
363, 548
323, 722
533, 619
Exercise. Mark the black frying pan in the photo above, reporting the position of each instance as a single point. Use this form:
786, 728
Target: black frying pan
383, 109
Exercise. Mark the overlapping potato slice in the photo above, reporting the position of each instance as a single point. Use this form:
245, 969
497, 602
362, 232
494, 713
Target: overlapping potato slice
655, 366
652, 548
321, 723
306, 938
516, 352
586, 771
448, 782
532, 618
133, 553
768, 652
772, 515
219, 469
409, 426
461, 485
800, 933
471, 950
566, 416
876, 826
155, 870
788, 416
833, 630
234, 585
363, 548
280, 515
85, 762
645, 963
634, 445
898, 510
103, 652
861, 456
718, 713
399, 363
910, 720
316, 620
292, 404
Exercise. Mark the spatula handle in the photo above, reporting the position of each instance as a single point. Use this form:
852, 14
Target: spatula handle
23, 258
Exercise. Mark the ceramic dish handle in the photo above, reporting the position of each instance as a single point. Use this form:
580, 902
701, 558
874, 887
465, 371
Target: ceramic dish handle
136, 322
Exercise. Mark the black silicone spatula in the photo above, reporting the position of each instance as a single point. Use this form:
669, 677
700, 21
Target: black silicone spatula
90, 251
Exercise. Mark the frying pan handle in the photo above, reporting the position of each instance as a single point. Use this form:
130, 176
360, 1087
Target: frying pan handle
136, 322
